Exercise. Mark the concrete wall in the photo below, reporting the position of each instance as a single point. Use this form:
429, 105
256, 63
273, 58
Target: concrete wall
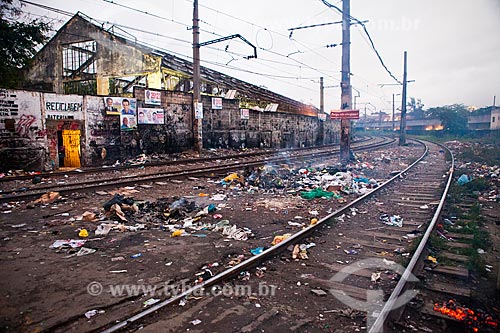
23, 139
30, 123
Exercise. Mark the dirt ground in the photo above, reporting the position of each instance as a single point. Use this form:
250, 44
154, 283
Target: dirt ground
52, 289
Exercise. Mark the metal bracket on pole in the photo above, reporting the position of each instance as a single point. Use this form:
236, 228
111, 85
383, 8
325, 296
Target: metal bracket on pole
222, 39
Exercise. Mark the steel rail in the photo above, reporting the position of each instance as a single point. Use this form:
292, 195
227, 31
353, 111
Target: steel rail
271, 252
171, 174
171, 162
378, 325
38, 189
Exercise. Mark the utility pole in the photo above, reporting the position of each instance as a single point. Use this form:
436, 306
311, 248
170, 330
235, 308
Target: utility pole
393, 109
197, 118
402, 130
345, 85
321, 127
392, 113
321, 95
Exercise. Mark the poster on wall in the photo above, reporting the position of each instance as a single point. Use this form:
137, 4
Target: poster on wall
114, 106
198, 110
216, 103
245, 114
150, 116
272, 107
152, 97
128, 122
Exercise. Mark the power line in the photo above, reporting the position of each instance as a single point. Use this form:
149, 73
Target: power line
187, 26
185, 42
219, 12
369, 37
262, 27
56, 10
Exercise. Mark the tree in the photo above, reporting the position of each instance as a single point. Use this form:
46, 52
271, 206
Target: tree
453, 117
18, 42
416, 108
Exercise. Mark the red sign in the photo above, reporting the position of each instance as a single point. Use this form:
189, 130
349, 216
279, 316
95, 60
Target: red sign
344, 114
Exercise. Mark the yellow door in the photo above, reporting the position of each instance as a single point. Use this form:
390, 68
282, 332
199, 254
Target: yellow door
71, 143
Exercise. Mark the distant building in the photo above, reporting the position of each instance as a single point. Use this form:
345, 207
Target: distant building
495, 119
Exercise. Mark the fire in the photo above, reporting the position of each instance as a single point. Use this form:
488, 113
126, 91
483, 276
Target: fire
474, 320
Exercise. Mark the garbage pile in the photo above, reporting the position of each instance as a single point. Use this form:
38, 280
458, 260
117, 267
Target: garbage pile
183, 217
482, 179
309, 183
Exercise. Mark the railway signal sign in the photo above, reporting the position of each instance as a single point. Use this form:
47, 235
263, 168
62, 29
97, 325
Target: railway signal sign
344, 114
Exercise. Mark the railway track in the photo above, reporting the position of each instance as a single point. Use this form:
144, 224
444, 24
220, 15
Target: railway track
172, 162
356, 264
15, 190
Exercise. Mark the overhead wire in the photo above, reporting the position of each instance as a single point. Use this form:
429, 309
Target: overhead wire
219, 12
372, 44
303, 64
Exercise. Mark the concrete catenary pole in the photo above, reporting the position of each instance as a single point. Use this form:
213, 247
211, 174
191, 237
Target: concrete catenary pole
346, 96
197, 121
321, 95
393, 113
321, 127
402, 128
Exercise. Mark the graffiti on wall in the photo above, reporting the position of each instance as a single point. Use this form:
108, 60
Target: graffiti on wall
8, 104
24, 124
60, 107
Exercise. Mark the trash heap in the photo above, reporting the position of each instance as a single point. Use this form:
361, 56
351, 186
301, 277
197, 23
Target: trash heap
481, 179
184, 217
309, 183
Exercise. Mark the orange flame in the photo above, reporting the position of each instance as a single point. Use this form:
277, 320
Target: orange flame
472, 319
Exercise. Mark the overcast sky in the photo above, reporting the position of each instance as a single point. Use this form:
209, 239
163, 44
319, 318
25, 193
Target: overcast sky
453, 45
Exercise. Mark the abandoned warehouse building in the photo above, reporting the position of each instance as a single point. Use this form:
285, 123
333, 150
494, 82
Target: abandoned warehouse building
91, 97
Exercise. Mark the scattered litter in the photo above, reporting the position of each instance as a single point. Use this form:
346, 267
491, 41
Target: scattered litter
257, 250
84, 251
394, 220
150, 301
318, 193
88, 217
279, 239
195, 322
119, 271
73, 243
48, 197
463, 179
83, 233
319, 292
103, 229
300, 252
481, 251
178, 232
400, 250
295, 224
432, 259
91, 313
218, 197
375, 276
137, 255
